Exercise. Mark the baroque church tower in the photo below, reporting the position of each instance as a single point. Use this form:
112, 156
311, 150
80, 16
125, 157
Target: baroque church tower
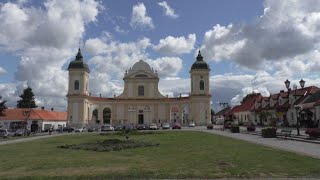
78, 91
200, 91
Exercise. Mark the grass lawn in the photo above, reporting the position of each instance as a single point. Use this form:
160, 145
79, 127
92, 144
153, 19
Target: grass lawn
180, 155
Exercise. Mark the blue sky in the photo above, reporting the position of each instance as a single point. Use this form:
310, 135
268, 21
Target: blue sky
250, 45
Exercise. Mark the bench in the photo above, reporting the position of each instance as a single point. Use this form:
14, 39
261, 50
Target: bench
286, 133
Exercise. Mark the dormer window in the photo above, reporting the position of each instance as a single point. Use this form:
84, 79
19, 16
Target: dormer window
76, 85
140, 90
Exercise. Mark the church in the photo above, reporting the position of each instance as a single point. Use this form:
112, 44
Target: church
140, 102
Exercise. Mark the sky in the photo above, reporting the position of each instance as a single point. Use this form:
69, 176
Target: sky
250, 45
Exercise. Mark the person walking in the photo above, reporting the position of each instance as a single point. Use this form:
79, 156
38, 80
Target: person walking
50, 130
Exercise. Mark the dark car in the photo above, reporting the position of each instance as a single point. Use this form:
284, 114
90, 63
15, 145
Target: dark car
68, 129
210, 126
119, 128
141, 127
176, 126
92, 129
22, 132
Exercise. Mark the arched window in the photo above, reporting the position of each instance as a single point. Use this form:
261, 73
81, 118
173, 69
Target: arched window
76, 85
140, 90
201, 85
95, 116
106, 115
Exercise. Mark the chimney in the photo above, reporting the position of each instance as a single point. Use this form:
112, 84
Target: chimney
42, 108
52, 109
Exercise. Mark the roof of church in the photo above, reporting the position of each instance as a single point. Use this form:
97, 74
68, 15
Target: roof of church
78, 63
141, 65
200, 63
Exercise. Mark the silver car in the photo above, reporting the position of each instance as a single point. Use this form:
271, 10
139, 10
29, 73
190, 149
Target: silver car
107, 128
165, 126
153, 126
4, 133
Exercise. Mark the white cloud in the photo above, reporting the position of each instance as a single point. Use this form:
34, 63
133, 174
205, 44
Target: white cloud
2, 71
168, 10
121, 31
285, 30
166, 66
46, 38
176, 45
139, 17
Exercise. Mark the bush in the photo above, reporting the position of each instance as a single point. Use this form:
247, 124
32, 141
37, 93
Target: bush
269, 132
313, 132
251, 128
209, 126
235, 129
109, 145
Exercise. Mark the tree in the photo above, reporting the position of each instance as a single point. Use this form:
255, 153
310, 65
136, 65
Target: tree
2, 107
27, 99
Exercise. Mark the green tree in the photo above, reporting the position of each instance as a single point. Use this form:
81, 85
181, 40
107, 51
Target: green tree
2, 107
27, 99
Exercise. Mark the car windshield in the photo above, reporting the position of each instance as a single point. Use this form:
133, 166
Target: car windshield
152, 124
20, 130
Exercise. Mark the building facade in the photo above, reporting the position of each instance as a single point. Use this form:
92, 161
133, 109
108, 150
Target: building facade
34, 119
141, 101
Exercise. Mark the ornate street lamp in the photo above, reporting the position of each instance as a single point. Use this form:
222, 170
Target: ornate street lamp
298, 110
287, 83
302, 83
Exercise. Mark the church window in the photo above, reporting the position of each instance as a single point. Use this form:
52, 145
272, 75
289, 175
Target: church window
201, 85
95, 116
76, 85
106, 115
140, 90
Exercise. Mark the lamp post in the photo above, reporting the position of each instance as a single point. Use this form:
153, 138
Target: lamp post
297, 108
26, 113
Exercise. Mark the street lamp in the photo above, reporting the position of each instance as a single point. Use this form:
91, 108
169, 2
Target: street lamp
298, 109
287, 83
302, 83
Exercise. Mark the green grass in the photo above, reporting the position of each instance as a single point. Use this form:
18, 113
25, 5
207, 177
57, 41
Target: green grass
179, 155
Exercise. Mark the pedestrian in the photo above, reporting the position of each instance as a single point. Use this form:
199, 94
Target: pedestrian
50, 130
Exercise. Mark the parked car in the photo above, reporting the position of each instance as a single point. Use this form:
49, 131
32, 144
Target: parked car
176, 126
192, 124
153, 126
119, 128
22, 132
82, 129
4, 133
141, 127
165, 126
107, 128
68, 129
129, 127
92, 129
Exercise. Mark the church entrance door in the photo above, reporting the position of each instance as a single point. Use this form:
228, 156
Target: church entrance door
140, 119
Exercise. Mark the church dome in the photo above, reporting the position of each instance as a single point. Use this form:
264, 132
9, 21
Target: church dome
200, 63
78, 63
141, 65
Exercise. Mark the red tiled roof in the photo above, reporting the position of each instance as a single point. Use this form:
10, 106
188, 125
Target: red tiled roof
275, 96
246, 106
35, 114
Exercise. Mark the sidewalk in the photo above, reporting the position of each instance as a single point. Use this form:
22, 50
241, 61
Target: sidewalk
304, 148
29, 138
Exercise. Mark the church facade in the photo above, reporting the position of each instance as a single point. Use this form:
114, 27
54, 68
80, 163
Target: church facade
140, 102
